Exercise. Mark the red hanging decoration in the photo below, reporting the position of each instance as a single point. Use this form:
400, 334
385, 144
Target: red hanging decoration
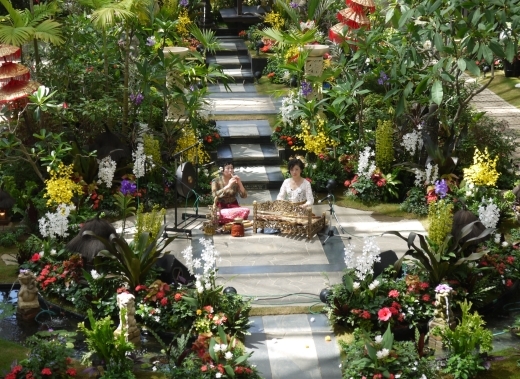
10, 70
361, 6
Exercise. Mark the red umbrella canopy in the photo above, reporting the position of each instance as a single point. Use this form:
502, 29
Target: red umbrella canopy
361, 6
354, 20
10, 52
10, 70
17, 89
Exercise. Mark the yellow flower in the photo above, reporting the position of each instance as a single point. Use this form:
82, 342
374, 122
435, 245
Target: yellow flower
199, 312
187, 139
60, 188
183, 22
274, 19
483, 171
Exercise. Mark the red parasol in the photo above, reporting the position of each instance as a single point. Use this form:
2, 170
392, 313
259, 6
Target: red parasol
361, 6
17, 89
10, 52
350, 18
338, 33
16, 71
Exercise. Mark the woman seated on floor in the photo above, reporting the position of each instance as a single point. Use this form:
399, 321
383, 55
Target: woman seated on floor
225, 190
296, 189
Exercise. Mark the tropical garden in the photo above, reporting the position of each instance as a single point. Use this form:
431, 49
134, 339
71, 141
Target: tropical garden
388, 118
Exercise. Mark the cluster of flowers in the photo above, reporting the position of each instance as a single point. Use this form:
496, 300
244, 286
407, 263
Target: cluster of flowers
289, 105
67, 272
55, 225
141, 161
107, 169
18, 372
60, 188
489, 214
412, 142
429, 176
363, 263
483, 171
366, 166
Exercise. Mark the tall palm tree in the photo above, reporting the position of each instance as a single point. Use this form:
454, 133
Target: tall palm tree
22, 26
126, 14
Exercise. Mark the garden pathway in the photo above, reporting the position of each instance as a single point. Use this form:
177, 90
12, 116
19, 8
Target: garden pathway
497, 108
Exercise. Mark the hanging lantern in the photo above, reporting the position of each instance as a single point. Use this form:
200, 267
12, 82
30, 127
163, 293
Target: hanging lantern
338, 33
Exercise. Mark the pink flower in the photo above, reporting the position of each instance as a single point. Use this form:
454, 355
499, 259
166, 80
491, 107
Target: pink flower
426, 297
164, 301
35, 257
384, 314
393, 293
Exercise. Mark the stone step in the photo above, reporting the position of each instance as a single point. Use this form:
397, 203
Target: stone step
235, 89
240, 104
251, 154
231, 61
245, 131
240, 75
231, 46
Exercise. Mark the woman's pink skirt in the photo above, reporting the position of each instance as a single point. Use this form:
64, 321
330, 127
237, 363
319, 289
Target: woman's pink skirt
229, 212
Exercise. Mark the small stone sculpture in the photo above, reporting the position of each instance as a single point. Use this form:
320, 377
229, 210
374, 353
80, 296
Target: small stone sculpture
442, 318
127, 324
28, 305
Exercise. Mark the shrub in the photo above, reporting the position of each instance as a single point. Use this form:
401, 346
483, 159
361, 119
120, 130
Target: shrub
440, 216
415, 202
384, 145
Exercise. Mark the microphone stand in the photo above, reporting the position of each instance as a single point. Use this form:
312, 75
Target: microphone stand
332, 212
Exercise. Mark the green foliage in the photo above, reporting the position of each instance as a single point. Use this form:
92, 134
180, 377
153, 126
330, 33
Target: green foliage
9, 238
415, 202
47, 352
441, 261
132, 261
384, 145
28, 248
381, 357
465, 342
321, 169
126, 205
440, 217
111, 349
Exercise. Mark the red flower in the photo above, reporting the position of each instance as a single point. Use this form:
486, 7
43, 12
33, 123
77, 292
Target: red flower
510, 260
347, 183
204, 368
121, 290
509, 283
178, 297
393, 293
46, 371
140, 287
71, 372
208, 308
393, 311
426, 297
159, 295
271, 75
309, 180
239, 370
366, 315
10, 376
220, 368
384, 314
164, 301
29, 375
424, 285
16, 369
396, 305
35, 257
65, 105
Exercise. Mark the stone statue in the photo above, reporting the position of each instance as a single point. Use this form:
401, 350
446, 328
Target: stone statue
28, 305
127, 324
442, 318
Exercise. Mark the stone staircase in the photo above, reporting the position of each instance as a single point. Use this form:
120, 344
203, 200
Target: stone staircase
247, 142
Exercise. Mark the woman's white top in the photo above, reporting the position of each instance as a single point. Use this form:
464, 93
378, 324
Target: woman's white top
302, 193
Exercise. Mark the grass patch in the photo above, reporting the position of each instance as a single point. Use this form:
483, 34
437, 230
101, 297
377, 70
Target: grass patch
265, 87
14, 351
504, 87
502, 369
381, 212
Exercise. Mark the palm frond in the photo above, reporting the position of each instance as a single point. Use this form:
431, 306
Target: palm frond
16, 36
321, 9
206, 37
109, 16
13, 13
49, 31
295, 18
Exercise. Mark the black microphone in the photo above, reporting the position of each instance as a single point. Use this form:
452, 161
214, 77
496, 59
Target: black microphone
325, 198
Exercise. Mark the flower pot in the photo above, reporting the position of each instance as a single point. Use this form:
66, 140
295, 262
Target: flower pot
316, 50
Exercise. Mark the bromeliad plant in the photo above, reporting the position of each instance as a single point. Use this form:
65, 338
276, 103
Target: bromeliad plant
135, 260
443, 260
